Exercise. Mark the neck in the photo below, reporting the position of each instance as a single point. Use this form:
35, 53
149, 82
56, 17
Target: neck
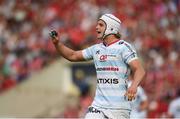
109, 40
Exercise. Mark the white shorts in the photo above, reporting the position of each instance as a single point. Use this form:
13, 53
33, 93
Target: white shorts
138, 114
94, 113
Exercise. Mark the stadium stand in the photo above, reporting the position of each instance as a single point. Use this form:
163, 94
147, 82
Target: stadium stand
43, 95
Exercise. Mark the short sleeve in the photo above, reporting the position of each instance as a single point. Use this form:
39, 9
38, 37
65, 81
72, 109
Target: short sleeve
88, 53
129, 53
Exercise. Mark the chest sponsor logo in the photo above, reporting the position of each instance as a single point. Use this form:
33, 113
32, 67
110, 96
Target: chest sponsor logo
107, 81
107, 69
103, 58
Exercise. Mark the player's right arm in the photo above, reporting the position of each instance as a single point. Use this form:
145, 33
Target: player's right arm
64, 51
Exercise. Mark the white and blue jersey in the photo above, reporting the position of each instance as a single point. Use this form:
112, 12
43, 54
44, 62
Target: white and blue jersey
111, 63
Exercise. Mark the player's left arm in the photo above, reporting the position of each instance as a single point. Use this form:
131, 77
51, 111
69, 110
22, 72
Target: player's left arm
138, 73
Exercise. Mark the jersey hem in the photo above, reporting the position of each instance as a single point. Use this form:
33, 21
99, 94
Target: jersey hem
110, 108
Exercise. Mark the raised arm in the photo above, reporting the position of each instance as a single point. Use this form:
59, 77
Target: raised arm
64, 51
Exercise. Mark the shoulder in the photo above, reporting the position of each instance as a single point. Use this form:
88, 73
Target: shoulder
92, 48
97, 45
123, 42
126, 45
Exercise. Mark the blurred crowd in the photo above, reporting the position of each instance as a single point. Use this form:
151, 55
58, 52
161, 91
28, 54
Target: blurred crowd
152, 26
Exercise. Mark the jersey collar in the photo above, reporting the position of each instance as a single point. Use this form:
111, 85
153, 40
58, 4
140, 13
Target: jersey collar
111, 43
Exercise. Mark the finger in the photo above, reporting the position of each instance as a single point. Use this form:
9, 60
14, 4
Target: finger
53, 33
134, 98
129, 99
126, 96
55, 40
131, 96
